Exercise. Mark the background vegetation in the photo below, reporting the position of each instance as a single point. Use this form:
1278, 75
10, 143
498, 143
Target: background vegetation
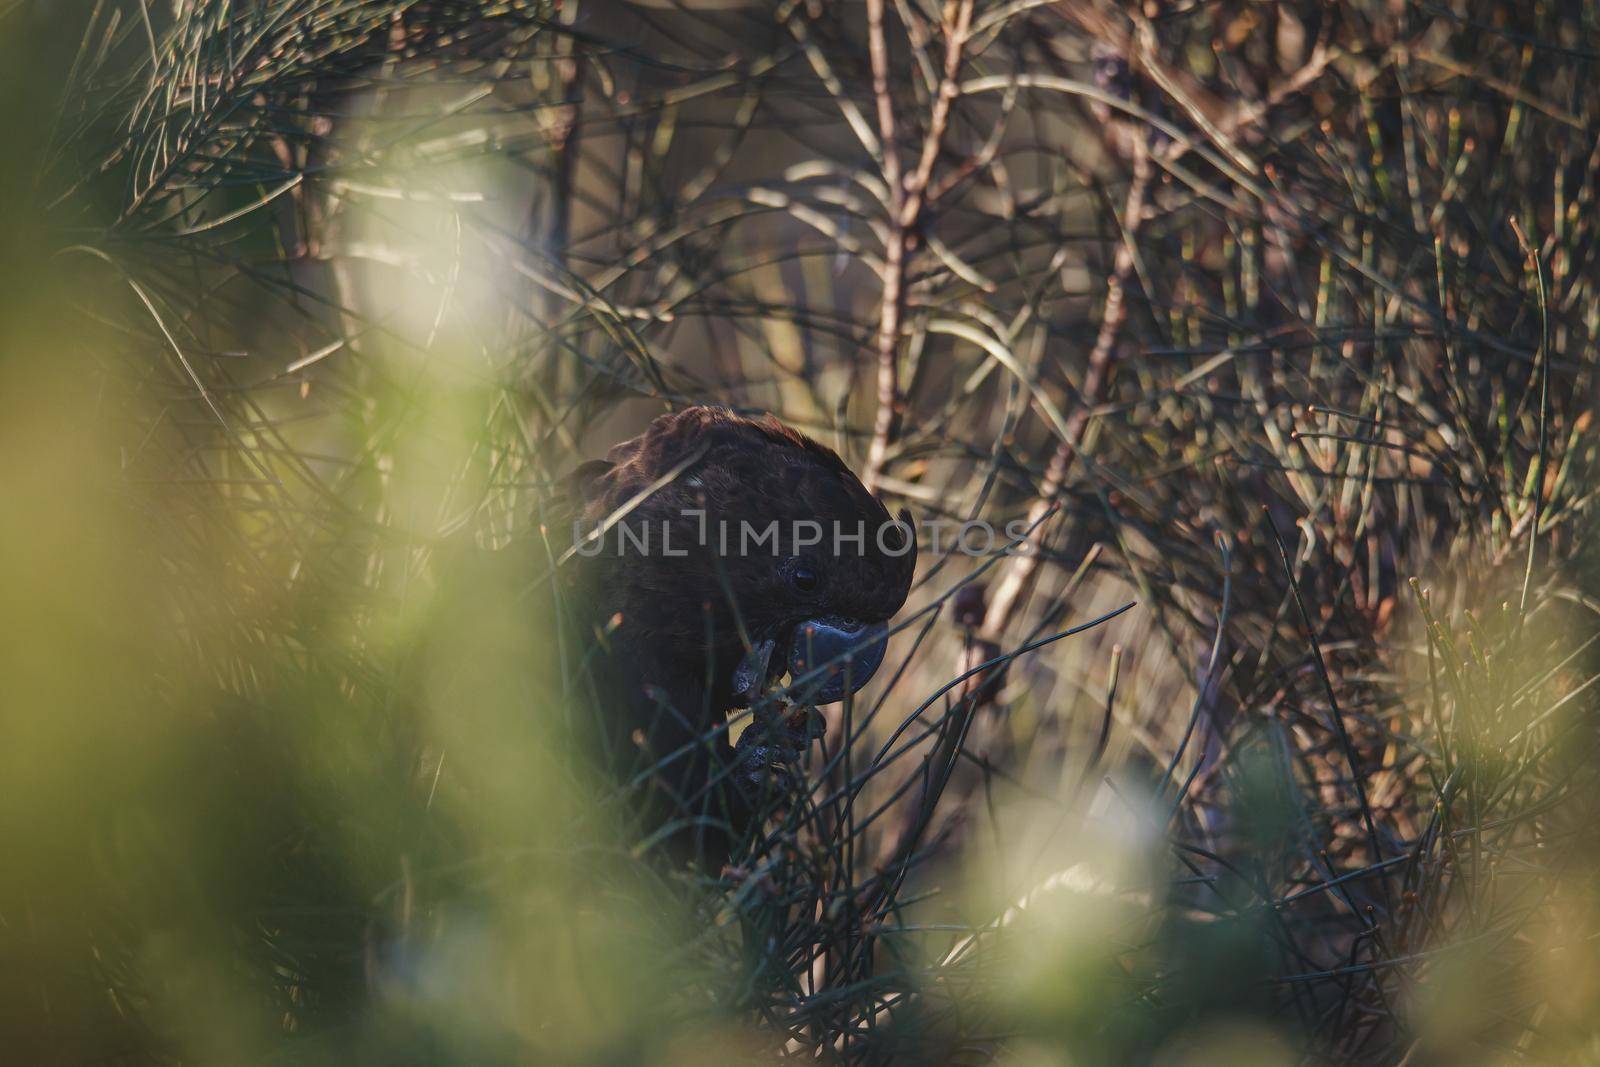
1274, 320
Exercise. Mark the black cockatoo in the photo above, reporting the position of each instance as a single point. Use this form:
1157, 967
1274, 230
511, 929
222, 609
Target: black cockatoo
716, 554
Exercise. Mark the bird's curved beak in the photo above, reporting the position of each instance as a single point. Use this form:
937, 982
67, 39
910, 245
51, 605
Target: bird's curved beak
844, 653
827, 657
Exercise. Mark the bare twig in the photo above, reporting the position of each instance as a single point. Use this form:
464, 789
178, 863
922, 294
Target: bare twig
1018, 577
907, 199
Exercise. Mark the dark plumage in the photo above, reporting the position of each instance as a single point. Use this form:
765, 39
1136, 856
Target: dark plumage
705, 613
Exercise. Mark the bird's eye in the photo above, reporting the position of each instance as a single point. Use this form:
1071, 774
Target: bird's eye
803, 575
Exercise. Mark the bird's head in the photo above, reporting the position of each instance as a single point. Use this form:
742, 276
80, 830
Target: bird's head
742, 550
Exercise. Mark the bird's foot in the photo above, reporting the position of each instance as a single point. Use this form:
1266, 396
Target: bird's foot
770, 750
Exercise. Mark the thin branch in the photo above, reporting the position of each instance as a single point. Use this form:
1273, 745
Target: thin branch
1019, 576
907, 198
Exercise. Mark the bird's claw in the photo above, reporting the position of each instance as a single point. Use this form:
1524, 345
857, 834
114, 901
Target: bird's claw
770, 749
